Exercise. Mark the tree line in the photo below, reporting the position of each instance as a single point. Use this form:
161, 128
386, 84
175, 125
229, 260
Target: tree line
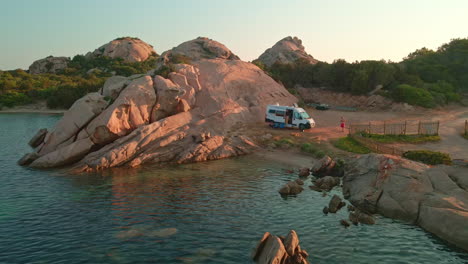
425, 77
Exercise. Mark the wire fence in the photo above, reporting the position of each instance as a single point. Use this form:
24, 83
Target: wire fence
377, 147
398, 128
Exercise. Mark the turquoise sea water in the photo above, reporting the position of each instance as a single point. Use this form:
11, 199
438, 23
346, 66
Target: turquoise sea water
201, 213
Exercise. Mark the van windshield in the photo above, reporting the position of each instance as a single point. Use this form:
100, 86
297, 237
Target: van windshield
304, 115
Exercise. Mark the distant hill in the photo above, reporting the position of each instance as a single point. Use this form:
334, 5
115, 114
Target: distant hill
286, 51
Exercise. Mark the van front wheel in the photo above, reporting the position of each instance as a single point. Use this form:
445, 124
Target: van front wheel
301, 127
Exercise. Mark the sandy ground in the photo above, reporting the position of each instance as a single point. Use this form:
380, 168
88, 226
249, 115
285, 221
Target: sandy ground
451, 119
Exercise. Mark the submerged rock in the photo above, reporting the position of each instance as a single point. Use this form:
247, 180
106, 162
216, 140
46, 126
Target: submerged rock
435, 198
272, 249
291, 188
304, 172
335, 204
327, 183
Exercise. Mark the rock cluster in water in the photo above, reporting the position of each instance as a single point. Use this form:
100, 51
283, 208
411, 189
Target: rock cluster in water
280, 250
190, 114
286, 51
435, 198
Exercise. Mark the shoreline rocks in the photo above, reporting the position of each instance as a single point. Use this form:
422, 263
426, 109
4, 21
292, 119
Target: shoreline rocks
273, 249
435, 198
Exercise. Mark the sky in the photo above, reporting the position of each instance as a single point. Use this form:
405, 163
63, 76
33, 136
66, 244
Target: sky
329, 29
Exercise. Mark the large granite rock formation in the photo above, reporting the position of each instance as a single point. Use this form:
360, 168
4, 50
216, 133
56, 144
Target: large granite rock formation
49, 65
287, 50
435, 198
192, 115
129, 49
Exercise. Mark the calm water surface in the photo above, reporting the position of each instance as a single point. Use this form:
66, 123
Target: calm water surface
202, 213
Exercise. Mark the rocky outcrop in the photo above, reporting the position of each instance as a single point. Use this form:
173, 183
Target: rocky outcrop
197, 49
183, 117
49, 65
275, 250
435, 198
328, 167
286, 51
127, 48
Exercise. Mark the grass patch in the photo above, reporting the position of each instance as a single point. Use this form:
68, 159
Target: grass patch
414, 139
313, 149
351, 145
428, 157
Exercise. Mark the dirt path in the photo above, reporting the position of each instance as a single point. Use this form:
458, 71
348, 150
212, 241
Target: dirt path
451, 126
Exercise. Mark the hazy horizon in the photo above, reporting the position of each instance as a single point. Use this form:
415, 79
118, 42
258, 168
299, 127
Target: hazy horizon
336, 29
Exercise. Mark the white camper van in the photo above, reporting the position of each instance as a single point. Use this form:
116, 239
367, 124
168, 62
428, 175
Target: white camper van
288, 116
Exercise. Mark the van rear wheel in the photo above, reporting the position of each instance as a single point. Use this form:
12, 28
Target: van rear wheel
301, 127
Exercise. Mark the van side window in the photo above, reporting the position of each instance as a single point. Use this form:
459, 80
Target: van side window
280, 113
296, 115
271, 111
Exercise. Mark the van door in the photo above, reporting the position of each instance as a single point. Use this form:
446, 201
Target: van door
297, 119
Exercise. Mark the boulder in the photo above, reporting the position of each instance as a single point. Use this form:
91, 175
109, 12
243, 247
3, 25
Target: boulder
272, 249
344, 223
299, 181
327, 183
38, 138
197, 49
49, 65
64, 156
127, 48
304, 172
323, 167
291, 188
335, 204
73, 121
286, 51
129, 111
434, 198
28, 158
113, 86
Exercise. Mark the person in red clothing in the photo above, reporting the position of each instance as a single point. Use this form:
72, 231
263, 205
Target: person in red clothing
342, 124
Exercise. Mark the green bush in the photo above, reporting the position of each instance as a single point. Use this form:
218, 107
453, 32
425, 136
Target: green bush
428, 157
414, 96
284, 142
351, 145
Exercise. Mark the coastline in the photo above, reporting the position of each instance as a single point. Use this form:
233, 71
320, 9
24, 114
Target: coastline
32, 111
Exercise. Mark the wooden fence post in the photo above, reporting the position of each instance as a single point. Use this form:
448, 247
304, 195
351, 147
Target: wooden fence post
419, 128
404, 131
438, 125
466, 127
384, 128
370, 128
